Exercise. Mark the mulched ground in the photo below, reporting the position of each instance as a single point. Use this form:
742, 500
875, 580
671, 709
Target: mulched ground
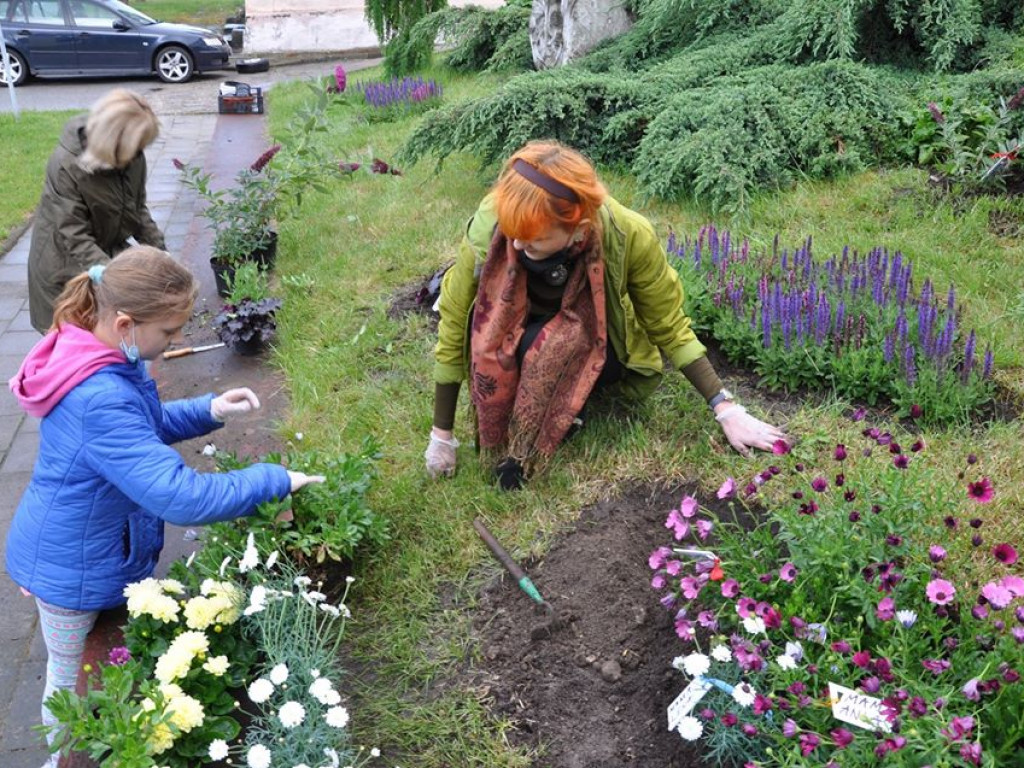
592, 690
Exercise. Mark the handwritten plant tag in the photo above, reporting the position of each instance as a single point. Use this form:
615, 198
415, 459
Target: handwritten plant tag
686, 701
855, 708
695, 553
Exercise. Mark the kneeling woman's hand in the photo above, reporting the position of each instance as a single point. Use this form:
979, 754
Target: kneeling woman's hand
744, 432
440, 453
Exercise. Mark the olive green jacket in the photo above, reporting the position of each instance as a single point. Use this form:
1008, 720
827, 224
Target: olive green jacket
82, 219
644, 299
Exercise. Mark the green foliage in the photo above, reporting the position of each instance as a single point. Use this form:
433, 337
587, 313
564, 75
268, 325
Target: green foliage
479, 39
331, 520
389, 17
249, 282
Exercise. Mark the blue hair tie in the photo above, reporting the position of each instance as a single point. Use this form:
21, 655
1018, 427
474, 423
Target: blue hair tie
96, 273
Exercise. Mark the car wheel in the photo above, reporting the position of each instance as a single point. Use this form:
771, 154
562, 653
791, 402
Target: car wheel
174, 64
19, 68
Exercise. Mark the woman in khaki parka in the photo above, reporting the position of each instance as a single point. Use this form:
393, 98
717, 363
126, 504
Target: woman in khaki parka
559, 289
94, 198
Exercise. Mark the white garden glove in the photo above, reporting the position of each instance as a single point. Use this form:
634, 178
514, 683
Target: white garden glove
233, 402
744, 432
440, 456
301, 479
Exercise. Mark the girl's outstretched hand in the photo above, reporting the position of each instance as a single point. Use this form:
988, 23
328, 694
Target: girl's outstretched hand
233, 402
301, 479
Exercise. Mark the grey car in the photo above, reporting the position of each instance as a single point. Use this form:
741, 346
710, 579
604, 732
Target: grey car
89, 38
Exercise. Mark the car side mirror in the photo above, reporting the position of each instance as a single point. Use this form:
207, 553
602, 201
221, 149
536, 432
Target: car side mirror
121, 25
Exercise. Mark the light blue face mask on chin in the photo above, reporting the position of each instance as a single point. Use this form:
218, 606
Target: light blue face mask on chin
131, 352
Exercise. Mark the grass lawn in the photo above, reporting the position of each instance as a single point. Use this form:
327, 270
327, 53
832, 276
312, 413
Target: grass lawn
27, 144
203, 14
353, 371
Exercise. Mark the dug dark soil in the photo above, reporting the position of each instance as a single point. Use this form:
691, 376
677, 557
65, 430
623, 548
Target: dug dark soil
590, 689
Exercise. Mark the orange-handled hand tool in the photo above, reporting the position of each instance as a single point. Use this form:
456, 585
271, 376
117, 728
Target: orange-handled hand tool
170, 354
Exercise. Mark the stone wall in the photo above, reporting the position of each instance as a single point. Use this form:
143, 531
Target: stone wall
278, 26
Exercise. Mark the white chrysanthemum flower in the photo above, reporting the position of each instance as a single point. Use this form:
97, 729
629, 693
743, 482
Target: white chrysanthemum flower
260, 690
754, 625
906, 618
303, 581
271, 560
172, 586
258, 756
721, 653
374, 752
344, 610
696, 664
217, 665
218, 749
330, 609
291, 714
279, 674
337, 717
743, 694
314, 597
785, 662
250, 558
690, 728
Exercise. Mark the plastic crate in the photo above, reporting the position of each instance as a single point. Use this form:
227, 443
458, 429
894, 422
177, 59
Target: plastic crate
251, 104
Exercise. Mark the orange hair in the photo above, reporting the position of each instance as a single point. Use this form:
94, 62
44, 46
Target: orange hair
526, 211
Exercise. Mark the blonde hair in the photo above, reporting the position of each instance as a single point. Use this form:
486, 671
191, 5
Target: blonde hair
120, 126
143, 282
526, 210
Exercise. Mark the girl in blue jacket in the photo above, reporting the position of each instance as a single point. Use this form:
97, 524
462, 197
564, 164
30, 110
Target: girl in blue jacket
106, 479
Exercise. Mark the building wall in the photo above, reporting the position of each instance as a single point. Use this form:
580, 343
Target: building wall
276, 26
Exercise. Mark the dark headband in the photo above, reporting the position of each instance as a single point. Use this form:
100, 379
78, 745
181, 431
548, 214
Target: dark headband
545, 182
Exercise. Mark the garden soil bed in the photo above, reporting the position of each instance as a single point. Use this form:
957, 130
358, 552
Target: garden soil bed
593, 691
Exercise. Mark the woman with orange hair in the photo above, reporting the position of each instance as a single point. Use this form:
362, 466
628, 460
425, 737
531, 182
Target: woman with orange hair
558, 289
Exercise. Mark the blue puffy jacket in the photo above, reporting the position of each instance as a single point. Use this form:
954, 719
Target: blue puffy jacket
91, 520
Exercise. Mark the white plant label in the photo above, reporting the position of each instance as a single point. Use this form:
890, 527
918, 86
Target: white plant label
695, 553
686, 701
855, 708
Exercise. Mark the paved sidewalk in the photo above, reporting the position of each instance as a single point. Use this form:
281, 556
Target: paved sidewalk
222, 145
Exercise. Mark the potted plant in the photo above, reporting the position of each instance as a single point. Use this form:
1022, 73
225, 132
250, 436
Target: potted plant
247, 323
241, 216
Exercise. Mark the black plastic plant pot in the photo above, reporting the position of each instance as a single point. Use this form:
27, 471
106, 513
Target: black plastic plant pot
249, 348
223, 276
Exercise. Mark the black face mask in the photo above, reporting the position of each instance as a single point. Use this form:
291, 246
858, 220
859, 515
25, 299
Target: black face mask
554, 270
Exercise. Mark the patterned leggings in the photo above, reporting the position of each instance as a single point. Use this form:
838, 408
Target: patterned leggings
64, 632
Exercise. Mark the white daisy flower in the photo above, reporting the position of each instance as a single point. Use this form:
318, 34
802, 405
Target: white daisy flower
291, 714
337, 717
279, 674
721, 653
260, 690
218, 749
743, 694
906, 618
696, 664
258, 756
785, 662
690, 728
754, 625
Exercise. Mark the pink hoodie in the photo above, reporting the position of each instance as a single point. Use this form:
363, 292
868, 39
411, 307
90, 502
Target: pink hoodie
56, 365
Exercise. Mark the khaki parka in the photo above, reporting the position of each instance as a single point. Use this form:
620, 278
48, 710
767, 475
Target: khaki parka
83, 219
644, 299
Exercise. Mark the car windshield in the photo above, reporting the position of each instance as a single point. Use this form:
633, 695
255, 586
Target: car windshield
134, 16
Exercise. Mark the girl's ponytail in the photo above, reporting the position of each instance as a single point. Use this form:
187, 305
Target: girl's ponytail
77, 303
143, 282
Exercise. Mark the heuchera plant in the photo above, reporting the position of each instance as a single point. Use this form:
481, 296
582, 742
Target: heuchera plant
877, 576
854, 323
